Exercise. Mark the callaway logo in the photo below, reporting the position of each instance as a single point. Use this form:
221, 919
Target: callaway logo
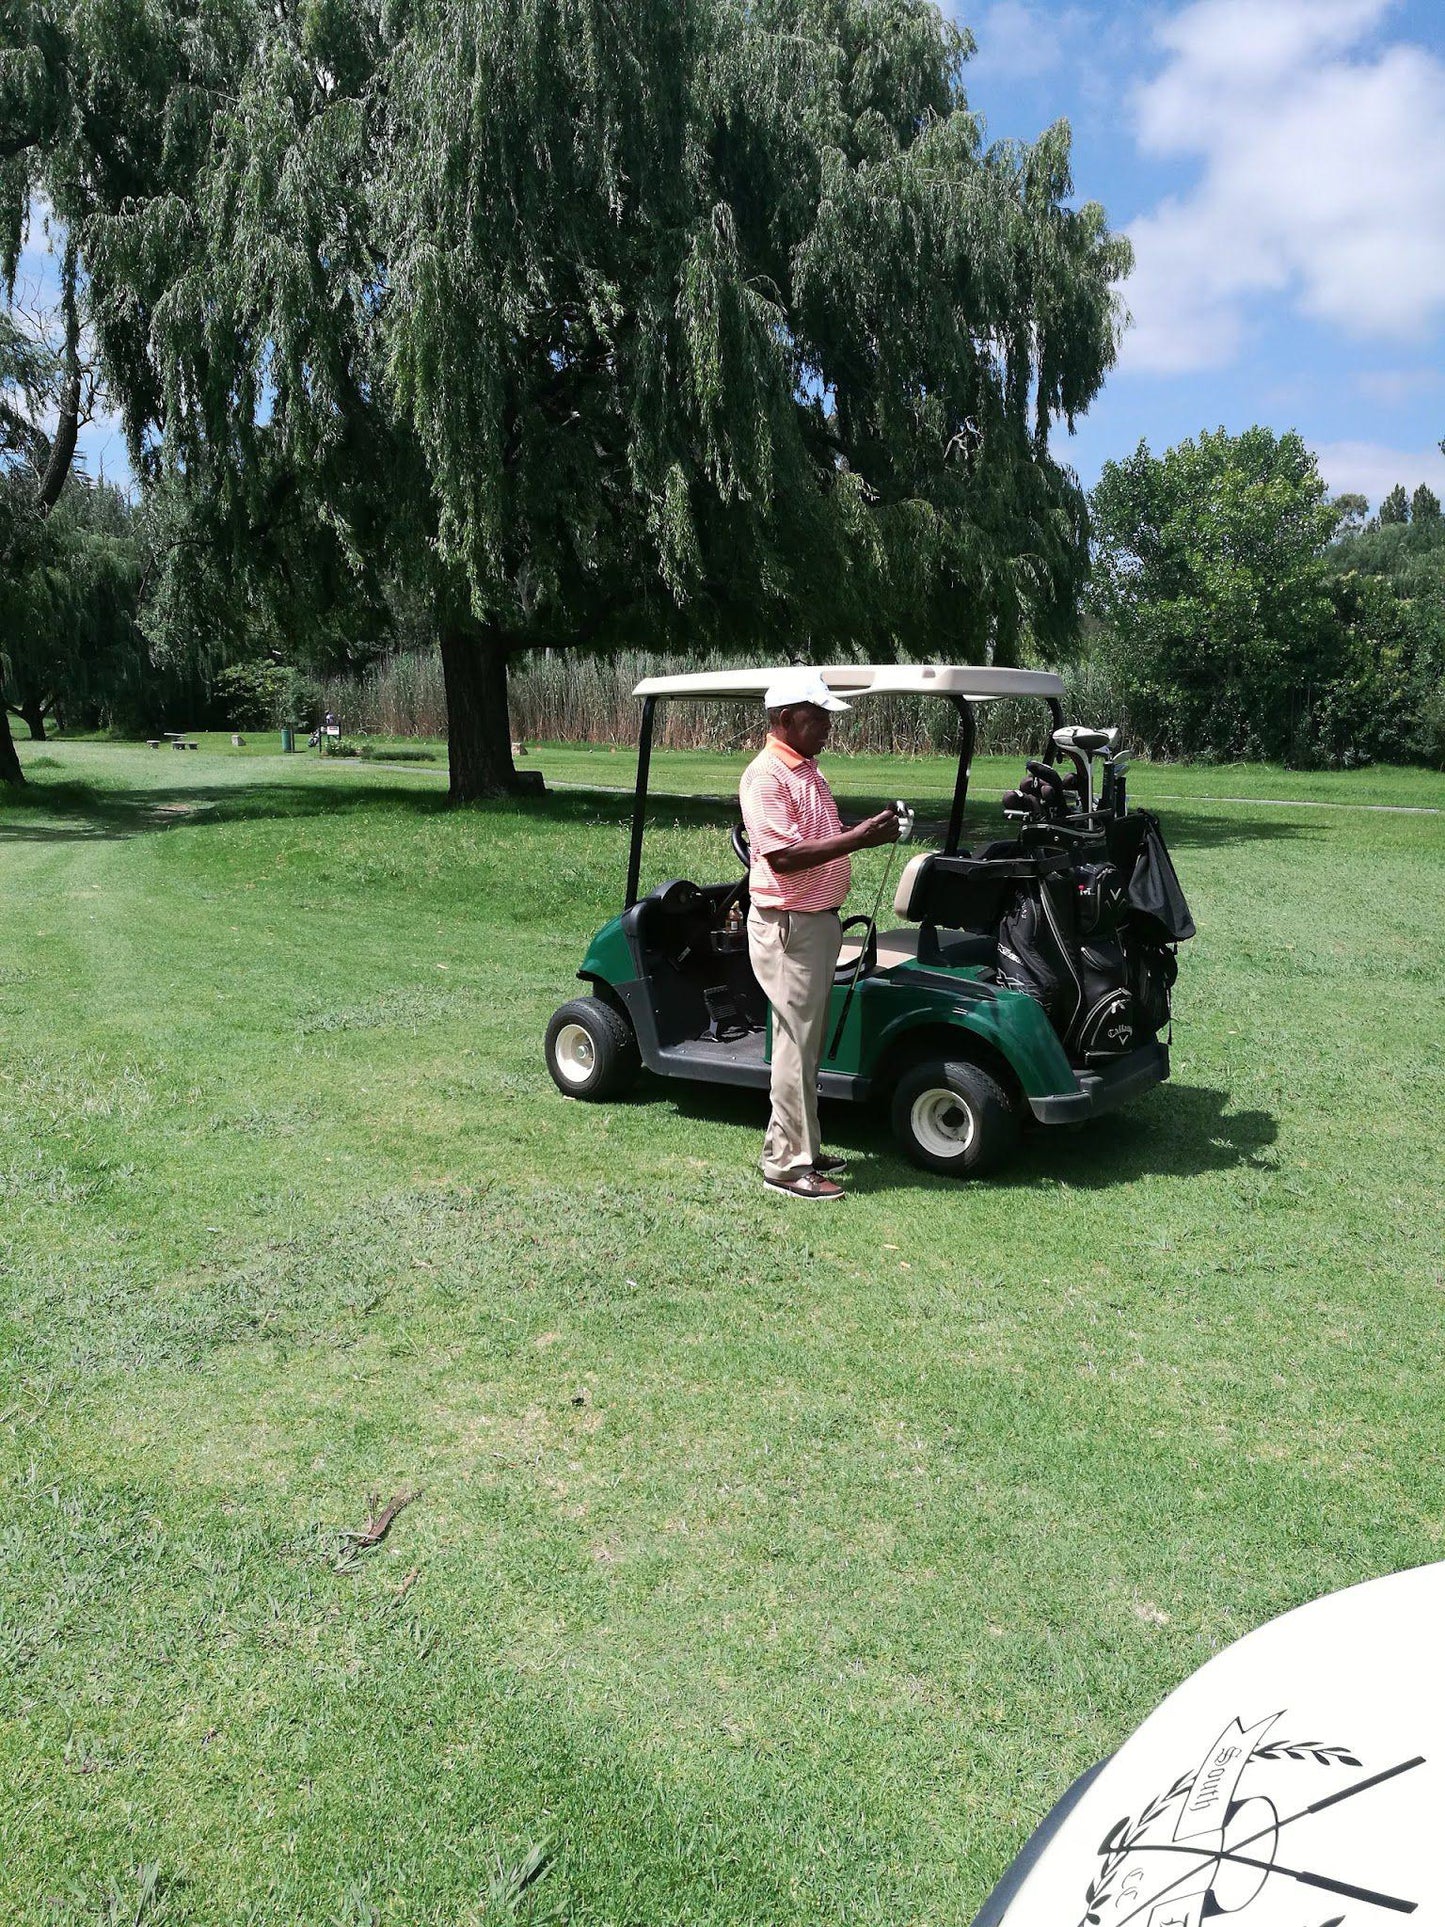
1217, 1839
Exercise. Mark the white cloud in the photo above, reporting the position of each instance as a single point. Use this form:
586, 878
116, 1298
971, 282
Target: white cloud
1016, 41
1323, 179
1371, 470
1398, 387
1223, 47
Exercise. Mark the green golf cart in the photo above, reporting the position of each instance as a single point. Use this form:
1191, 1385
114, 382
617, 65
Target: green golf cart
1026, 980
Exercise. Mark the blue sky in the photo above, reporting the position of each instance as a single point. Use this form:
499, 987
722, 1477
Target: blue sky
1280, 167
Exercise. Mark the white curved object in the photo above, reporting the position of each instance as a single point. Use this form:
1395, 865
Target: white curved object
974, 680
1295, 1780
1087, 741
912, 870
575, 1052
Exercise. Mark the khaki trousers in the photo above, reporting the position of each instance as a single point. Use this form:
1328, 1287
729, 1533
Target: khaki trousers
794, 954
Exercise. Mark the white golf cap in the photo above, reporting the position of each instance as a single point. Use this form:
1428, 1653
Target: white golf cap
800, 686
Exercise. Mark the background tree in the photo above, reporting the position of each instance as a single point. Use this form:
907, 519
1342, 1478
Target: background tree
1424, 505
76, 652
678, 320
1352, 512
47, 392
97, 106
1210, 585
1387, 699
102, 108
1395, 507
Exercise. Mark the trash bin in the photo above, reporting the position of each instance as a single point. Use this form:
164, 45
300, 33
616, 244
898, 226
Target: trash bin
288, 740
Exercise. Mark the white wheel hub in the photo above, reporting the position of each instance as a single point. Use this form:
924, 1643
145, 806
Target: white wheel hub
576, 1054
942, 1123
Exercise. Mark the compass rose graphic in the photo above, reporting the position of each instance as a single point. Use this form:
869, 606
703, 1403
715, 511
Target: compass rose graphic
1216, 1840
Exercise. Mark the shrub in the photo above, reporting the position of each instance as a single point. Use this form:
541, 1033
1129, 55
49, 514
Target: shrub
263, 695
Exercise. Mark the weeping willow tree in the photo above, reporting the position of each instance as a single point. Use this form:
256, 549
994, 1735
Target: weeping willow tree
100, 108
76, 650
665, 322
45, 392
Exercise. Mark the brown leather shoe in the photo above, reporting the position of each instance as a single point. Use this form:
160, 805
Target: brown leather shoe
829, 1167
806, 1184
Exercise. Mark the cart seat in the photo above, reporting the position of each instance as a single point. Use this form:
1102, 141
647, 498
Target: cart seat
901, 946
894, 947
914, 871
960, 892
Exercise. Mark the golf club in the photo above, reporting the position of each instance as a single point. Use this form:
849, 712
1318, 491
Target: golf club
1082, 745
905, 833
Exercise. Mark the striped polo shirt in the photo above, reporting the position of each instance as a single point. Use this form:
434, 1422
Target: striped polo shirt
786, 800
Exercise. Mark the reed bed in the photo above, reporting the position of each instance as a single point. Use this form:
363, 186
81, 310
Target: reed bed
571, 698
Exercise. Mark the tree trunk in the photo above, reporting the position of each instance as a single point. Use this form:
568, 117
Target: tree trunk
10, 770
479, 736
57, 468
1005, 651
67, 428
34, 714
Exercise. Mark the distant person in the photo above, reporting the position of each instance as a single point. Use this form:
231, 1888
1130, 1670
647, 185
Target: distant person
800, 874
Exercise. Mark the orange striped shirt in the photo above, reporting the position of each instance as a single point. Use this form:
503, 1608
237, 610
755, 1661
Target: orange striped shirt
786, 800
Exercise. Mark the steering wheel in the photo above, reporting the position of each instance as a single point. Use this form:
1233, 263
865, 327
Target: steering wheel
740, 844
859, 966
678, 898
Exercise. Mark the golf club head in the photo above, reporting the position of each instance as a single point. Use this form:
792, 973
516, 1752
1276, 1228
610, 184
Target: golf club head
1088, 742
1045, 775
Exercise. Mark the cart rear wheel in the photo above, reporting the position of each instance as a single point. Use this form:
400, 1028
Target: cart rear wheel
591, 1051
954, 1118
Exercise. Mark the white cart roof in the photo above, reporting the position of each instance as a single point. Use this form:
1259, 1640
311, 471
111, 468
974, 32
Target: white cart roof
865, 679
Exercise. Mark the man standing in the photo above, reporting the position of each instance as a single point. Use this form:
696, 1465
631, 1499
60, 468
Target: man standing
799, 877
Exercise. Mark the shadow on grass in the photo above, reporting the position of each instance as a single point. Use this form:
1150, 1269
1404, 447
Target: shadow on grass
1187, 830
84, 813
984, 821
1178, 1130
52, 812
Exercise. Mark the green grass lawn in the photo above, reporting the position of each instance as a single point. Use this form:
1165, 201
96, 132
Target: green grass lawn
769, 1565
573, 765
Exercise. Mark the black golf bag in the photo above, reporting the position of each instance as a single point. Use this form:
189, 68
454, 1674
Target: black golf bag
1092, 939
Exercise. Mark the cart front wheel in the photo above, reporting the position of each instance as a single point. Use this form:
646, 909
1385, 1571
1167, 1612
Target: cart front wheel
591, 1051
954, 1118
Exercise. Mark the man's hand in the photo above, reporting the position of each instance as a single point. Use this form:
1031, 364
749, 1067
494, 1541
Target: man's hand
882, 828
